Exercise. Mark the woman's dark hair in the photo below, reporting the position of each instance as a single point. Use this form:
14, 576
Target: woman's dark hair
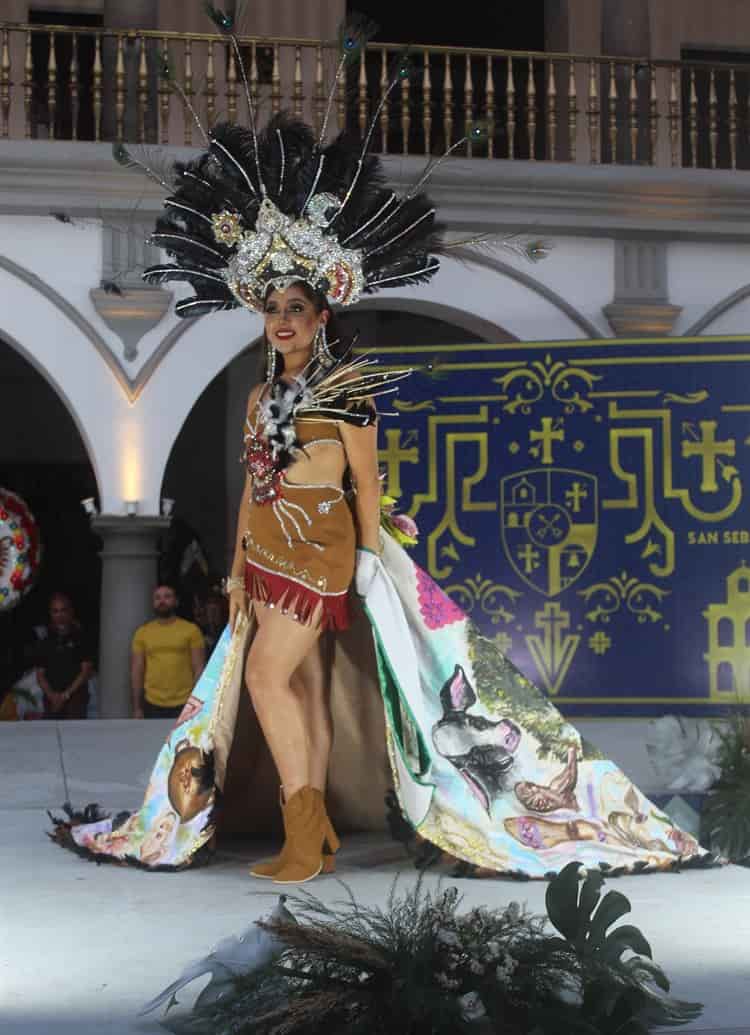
320, 304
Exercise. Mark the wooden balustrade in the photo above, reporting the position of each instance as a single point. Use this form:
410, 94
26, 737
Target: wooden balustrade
99, 84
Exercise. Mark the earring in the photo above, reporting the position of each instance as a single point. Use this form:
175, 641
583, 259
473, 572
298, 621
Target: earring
270, 361
322, 349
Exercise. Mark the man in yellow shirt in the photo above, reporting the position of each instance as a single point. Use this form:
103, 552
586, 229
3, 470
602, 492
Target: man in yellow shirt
167, 657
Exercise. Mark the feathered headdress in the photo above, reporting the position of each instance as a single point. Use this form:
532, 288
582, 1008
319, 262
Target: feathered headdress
253, 211
272, 207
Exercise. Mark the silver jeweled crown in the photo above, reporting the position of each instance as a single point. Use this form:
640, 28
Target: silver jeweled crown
281, 250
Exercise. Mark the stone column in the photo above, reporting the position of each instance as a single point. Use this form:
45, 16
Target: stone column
641, 305
129, 555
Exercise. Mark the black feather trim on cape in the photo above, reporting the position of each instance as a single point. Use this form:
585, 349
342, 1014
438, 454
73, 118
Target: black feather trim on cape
425, 854
61, 834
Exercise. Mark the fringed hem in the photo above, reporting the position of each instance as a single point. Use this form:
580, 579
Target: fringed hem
296, 600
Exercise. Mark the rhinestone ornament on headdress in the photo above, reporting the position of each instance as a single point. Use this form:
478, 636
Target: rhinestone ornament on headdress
227, 227
281, 250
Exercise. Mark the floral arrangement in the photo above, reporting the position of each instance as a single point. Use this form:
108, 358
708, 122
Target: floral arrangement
400, 526
20, 549
419, 966
725, 818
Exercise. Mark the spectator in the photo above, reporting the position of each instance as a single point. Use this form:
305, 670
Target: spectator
64, 663
199, 613
212, 615
167, 659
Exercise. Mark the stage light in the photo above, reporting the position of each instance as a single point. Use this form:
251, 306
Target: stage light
131, 507
167, 506
89, 505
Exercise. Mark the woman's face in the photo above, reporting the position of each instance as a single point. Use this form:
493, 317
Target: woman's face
291, 320
155, 844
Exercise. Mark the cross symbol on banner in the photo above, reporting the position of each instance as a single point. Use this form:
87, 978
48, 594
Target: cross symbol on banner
393, 456
530, 558
575, 496
547, 437
553, 651
709, 450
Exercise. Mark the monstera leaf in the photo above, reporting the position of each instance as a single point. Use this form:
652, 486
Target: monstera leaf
627, 996
584, 919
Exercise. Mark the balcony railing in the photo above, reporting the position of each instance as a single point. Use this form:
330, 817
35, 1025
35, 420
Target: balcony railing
98, 84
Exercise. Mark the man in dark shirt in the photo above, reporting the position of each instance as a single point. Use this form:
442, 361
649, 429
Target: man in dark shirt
64, 663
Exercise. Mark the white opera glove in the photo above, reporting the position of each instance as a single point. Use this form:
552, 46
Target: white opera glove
365, 571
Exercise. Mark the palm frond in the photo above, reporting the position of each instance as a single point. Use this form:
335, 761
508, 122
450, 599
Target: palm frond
726, 813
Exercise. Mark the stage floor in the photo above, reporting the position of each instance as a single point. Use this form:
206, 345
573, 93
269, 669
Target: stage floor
82, 947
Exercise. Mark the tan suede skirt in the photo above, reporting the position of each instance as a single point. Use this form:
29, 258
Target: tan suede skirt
299, 553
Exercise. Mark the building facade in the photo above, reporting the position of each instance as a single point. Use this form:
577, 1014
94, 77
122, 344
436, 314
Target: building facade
619, 146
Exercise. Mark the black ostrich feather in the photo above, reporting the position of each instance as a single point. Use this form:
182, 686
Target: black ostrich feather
183, 218
204, 281
307, 182
233, 147
413, 230
205, 183
211, 293
415, 269
193, 188
286, 147
187, 308
187, 247
341, 169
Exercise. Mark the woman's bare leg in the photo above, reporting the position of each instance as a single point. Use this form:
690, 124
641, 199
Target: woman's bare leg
312, 682
279, 648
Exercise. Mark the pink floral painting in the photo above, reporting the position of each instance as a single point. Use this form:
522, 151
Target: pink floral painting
436, 607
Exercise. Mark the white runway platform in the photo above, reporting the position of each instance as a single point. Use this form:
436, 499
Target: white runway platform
83, 946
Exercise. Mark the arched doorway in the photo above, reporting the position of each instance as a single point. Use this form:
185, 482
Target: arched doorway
44, 460
203, 474
198, 477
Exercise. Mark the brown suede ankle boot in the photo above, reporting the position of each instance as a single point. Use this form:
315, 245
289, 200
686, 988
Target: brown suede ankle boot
266, 870
305, 824
331, 844
270, 867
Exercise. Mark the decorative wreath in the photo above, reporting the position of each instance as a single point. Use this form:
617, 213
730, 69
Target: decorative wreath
20, 549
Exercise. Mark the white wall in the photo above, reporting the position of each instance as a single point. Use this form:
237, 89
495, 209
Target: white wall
700, 276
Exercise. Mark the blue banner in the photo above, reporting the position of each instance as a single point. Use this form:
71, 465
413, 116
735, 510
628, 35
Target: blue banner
584, 502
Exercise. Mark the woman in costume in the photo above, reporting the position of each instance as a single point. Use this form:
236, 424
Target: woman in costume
483, 767
294, 560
